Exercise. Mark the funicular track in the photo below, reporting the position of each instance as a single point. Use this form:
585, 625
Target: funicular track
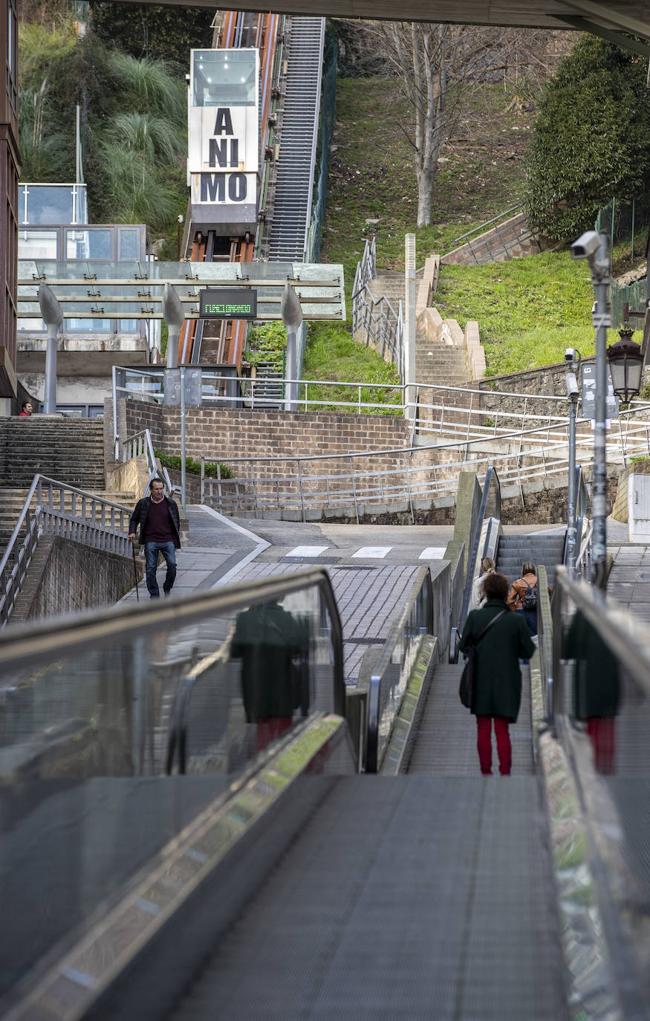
222, 343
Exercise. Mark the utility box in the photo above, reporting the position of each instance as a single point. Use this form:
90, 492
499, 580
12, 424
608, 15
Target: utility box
638, 504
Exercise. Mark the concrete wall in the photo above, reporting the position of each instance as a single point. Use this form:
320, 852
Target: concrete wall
66, 576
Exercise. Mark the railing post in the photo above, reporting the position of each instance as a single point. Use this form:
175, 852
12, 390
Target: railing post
302, 498
202, 480
354, 491
219, 499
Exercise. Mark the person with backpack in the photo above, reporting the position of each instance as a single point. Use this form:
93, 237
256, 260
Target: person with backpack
523, 596
499, 639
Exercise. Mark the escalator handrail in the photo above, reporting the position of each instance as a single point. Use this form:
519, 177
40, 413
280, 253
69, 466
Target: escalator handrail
421, 593
491, 480
23, 647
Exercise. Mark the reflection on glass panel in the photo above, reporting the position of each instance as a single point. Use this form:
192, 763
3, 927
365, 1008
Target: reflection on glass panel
95, 732
93, 243
88, 325
22, 200
30, 326
129, 247
37, 244
82, 203
224, 77
128, 326
49, 203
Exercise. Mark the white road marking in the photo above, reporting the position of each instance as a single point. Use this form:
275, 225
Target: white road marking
432, 553
306, 551
372, 552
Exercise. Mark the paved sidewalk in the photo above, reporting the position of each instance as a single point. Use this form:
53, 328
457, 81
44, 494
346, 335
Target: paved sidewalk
216, 547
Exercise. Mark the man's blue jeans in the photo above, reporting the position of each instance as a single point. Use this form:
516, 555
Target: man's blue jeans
168, 551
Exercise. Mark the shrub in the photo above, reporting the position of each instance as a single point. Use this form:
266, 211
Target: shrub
212, 468
591, 140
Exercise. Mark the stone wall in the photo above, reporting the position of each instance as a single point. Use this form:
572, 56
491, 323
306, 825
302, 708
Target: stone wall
66, 576
620, 509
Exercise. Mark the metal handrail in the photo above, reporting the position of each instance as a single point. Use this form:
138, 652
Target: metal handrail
379, 724
480, 229
545, 640
141, 443
491, 482
47, 517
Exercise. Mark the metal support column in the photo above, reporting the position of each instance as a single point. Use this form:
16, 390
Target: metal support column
410, 330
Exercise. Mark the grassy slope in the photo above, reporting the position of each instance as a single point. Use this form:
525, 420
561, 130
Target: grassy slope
528, 310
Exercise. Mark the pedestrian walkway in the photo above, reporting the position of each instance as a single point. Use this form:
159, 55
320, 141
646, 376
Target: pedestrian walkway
446, 744
629, 579
216, 547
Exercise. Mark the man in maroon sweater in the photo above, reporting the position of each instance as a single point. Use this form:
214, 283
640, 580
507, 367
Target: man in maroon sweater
159, 521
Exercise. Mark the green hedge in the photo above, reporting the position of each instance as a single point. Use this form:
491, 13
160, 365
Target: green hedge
591, 140
192, 465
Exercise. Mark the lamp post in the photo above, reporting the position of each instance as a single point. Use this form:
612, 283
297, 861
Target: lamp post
291, 310
595, 248
53, 318
625, 360
573, 393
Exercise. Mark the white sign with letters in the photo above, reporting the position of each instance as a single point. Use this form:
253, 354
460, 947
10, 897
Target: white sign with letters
223, 147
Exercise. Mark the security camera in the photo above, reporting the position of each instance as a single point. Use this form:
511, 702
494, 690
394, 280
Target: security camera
570, 354
586, 246
572, 388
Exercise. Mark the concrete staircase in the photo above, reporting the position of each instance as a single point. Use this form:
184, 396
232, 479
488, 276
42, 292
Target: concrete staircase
540, 549
511, 239
68, 450
440, 357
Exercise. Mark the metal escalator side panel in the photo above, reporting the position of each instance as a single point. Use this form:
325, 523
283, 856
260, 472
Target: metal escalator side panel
132, 963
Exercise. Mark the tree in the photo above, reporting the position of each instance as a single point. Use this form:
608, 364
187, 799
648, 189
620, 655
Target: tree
157, 32
591, 140
437, 66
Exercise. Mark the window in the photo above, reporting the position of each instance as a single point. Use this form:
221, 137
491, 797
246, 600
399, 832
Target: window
129, 244
224, 77
37, 244
92, 243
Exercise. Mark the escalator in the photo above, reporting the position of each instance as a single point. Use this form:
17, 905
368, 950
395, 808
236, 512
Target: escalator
299, 889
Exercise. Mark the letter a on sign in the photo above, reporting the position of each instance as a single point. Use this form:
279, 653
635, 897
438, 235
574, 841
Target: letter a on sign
223, 122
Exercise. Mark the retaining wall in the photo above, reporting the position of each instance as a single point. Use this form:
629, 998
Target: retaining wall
66, 576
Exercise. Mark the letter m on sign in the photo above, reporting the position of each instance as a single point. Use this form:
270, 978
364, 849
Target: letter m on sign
213, 187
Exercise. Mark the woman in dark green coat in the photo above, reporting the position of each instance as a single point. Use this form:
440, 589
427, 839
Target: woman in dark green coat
497, 689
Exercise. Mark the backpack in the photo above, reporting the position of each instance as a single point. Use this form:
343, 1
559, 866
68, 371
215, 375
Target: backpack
529, 601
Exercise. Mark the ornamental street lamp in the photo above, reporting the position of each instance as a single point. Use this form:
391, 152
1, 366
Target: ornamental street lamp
625, 360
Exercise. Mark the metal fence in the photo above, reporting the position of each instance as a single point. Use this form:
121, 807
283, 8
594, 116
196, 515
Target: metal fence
58, 509
375, 320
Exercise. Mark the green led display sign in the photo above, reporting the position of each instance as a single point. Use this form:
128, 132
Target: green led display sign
228, 303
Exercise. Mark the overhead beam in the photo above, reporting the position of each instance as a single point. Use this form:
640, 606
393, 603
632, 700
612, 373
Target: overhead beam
621, 14
619, 18
625, 42
542, 13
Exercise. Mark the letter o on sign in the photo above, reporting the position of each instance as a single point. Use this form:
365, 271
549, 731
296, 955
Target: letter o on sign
237, 187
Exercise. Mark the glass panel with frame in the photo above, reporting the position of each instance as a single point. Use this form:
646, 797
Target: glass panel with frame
92, 729
224, 77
